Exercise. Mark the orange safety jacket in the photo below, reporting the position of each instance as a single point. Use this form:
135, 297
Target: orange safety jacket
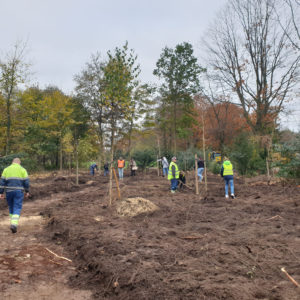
121, 164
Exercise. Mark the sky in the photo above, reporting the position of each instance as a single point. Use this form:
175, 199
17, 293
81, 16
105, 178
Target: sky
62, 35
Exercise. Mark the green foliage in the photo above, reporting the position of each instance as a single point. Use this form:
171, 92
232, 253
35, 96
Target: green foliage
215, 167
291, 152
28, 163
186, 159
247, 156
144, 158
179, 70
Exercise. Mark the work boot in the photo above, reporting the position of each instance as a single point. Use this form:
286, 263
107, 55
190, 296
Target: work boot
13, 228
232, 196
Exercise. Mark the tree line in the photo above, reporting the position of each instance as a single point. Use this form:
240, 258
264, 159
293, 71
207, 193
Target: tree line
233, 98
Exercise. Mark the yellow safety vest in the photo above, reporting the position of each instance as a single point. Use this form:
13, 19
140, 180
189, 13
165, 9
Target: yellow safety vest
170, 175
228, 169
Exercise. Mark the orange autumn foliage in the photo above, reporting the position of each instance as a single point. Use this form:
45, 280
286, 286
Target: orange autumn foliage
223, 122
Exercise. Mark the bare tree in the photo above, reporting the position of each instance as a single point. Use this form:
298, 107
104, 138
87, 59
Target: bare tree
288, 17
13, 71
252, 55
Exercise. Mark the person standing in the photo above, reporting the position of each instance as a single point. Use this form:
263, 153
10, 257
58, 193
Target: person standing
106, 169
133, 167
173, 174
165, 166
227, 174
200, 168
121, 165
92, 168
14, 181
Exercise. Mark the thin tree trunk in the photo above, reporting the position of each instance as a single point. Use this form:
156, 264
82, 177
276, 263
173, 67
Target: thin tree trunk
157, 165
174, 128
196, 175
76, 157
111, 161
204, 154
8, 126
60, 155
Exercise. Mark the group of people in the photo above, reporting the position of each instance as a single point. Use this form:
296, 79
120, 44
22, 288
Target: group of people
121, 165
177, 177
15, 182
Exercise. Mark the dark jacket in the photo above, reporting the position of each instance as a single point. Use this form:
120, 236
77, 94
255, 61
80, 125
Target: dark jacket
200, 164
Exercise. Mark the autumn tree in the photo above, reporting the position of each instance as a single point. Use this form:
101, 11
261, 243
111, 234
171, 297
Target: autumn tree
179, 70
13, 72
119, 79
252, 55
90, 89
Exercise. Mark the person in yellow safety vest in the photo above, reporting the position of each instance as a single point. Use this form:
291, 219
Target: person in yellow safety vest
121, 165
173, 174
14, 181
227, 174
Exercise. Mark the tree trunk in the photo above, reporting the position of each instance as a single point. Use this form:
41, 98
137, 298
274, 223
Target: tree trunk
76, 157
60, 154
174, 127
204, 154
111, 161
8, 126
196, 175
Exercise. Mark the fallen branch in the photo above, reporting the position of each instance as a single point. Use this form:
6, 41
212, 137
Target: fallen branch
58, 255
290, 277
277, 216
194, 237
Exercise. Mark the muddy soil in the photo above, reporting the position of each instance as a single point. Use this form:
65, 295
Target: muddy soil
188, 247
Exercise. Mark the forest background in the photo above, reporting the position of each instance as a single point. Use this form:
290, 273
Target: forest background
228, 101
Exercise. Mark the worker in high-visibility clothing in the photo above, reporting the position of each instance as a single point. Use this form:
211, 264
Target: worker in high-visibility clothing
227, 174
14, 181
121, 165
173, 174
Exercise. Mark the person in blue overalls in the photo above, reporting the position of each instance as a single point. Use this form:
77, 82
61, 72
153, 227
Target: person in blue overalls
92, 168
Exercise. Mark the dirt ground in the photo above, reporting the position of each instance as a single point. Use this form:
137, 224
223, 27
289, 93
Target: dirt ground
71, 244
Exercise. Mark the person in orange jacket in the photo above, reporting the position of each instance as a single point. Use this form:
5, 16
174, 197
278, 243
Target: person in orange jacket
121, 165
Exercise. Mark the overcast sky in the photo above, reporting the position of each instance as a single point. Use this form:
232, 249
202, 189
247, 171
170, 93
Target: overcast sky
62, 34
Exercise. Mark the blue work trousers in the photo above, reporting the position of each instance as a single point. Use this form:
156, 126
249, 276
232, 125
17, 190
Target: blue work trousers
165, 171
15, 201
174, 183
229, 182
200, 172
120, 173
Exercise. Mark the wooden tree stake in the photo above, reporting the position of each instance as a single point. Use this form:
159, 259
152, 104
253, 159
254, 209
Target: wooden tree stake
290, 277
117, 182
196, 175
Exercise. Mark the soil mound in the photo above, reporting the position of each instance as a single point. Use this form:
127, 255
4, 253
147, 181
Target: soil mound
135, 206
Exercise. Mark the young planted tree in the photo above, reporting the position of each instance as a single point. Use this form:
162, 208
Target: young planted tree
180, 73
119, 79
13, 71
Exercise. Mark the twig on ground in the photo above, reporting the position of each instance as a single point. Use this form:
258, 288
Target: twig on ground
58, 255
290, 277
194, 237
